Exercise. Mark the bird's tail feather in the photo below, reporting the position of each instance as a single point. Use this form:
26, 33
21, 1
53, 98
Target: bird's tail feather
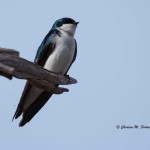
30, 112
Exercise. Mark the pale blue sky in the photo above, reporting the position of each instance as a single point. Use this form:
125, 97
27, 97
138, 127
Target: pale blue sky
112, 69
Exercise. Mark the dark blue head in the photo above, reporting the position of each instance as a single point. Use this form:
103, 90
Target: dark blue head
64, 21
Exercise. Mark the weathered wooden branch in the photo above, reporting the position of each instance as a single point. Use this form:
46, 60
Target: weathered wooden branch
6, 71
11, 65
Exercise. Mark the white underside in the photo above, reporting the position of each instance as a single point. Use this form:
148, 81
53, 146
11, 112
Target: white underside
58, 62
62, 56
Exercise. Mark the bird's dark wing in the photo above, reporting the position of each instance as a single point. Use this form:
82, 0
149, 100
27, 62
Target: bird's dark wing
74, 57
46, 48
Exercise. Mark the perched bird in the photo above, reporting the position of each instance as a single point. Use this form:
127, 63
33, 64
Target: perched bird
56, 53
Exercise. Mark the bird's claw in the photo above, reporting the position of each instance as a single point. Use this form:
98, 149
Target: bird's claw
68, 76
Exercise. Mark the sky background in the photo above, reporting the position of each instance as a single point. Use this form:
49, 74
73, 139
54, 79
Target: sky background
112, 69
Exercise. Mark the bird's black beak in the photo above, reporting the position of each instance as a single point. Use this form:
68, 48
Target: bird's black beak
76, 23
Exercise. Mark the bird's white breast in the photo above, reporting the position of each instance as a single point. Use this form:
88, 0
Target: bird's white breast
62, 56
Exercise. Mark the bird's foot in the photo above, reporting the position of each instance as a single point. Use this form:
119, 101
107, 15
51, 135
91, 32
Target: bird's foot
67, 76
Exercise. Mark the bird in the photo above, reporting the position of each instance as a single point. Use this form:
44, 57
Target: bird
56, 53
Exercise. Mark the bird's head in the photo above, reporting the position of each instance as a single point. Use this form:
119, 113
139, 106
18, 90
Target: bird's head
66, 24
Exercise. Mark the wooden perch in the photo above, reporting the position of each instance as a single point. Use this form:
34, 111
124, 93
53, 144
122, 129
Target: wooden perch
11, 65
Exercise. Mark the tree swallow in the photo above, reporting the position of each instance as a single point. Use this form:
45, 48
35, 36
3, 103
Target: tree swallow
56, 53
